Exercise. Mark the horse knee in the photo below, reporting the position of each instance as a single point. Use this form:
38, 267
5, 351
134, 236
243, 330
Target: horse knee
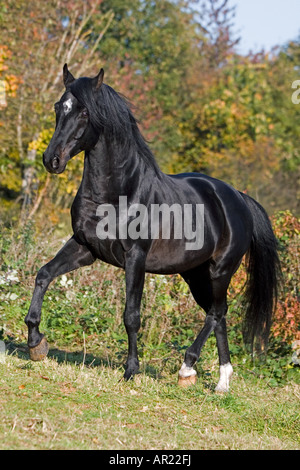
217, 313
132, 320
43, 278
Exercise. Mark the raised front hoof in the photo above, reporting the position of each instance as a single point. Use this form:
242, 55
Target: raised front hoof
187, 381
39, 352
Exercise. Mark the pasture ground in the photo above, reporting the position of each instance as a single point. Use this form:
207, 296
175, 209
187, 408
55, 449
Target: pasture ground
76, 399
65, 403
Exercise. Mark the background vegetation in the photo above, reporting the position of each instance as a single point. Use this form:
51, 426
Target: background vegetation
202, 107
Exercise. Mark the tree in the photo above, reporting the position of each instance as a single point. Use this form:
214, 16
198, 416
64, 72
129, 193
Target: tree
242, 127
44, 37
201, 105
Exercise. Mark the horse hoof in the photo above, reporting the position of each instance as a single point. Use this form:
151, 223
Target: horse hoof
39, 352
187, 381
221, 390
226, 372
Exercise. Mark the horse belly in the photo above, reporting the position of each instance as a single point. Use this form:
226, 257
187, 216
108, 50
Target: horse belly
172, 256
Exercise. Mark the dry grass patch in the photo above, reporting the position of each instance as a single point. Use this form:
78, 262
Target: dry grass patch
65, 406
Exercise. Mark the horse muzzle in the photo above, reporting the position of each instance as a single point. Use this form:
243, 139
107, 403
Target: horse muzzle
56, 164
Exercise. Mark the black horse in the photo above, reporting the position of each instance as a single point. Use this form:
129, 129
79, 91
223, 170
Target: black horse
92, 117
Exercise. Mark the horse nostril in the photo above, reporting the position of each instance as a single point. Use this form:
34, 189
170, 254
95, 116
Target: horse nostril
55, 162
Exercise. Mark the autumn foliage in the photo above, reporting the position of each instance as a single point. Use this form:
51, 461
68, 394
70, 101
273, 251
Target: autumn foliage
286, 320
201, 105
287, 317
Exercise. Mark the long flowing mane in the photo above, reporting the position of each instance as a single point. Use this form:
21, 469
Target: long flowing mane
110, 114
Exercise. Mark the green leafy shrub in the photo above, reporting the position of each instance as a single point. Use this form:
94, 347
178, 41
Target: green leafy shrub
86, 307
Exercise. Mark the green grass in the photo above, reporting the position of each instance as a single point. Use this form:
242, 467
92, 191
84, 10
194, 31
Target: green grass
62, 403
76, 398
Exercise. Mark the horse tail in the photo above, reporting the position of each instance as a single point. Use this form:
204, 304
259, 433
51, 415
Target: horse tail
263, 278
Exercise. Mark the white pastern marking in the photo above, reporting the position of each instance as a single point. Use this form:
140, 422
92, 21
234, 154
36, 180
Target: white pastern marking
226, 372
67, 106
186, 371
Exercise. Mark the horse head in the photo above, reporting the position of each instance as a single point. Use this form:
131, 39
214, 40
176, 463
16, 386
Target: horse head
74, 130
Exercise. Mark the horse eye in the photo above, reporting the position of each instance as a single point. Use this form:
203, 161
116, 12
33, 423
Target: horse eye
85, 113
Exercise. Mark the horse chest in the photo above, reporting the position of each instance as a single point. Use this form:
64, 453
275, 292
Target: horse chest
84, 222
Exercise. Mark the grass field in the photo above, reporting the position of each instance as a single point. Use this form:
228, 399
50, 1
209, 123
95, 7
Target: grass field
76, 398
61, 403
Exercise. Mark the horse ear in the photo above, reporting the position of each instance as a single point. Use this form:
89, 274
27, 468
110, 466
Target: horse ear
98, 80
68, 77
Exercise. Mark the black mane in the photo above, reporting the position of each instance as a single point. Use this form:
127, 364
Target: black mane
110, 115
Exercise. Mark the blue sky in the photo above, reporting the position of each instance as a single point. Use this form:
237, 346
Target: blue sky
265, 23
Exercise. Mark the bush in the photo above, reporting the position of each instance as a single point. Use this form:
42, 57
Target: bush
87, 305
286, 323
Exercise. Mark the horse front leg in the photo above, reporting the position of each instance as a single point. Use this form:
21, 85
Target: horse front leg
135, 276
70, 257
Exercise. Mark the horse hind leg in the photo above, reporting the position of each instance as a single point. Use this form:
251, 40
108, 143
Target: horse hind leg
210, 293
226, 369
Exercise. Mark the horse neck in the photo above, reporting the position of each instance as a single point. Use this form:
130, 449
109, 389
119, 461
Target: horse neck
112, 170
